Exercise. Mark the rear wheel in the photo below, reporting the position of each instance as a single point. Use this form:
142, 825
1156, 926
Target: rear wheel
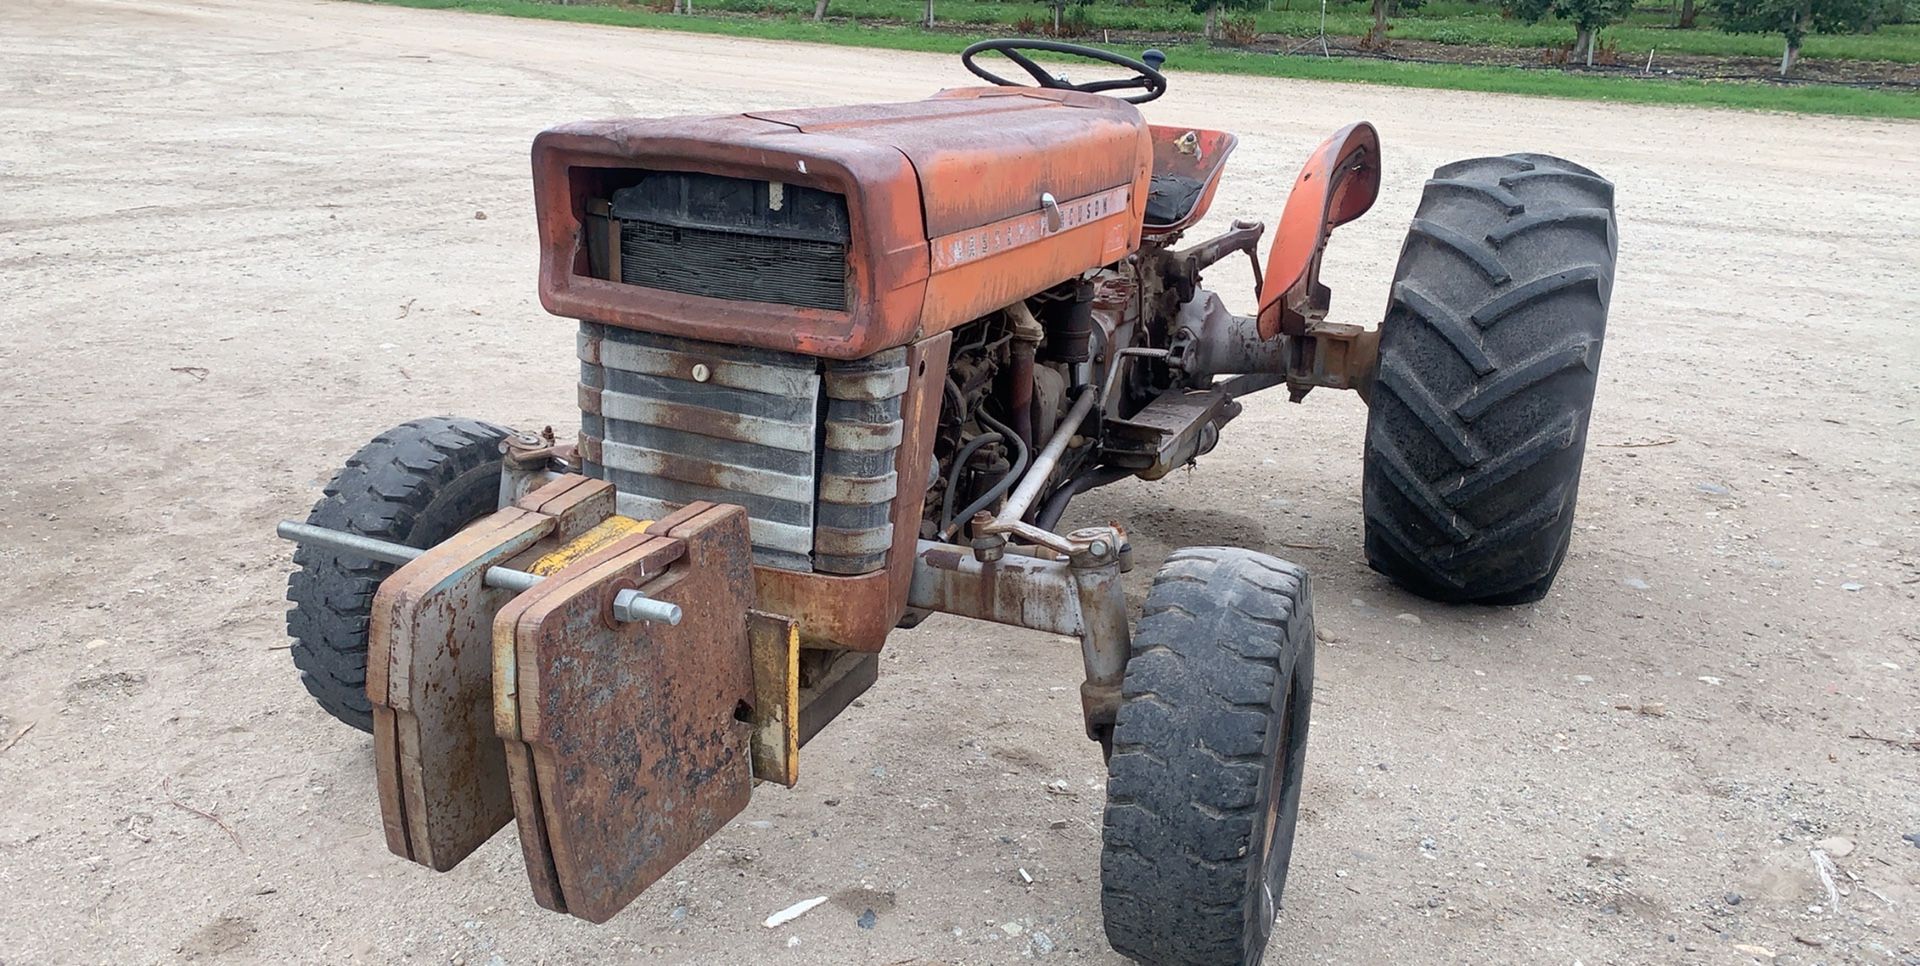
1489, 356
416, 484
1209, 746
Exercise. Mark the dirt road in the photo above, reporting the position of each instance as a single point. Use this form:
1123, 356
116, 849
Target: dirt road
238, 237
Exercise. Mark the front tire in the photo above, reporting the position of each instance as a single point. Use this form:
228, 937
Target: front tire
416, 484
1209, 747
1489, 356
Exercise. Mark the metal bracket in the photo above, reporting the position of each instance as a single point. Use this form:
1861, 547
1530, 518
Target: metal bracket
1338, 355
775, 645
529, 462
1080, 597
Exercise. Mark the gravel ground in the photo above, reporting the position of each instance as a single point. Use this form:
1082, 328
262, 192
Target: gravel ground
239, 237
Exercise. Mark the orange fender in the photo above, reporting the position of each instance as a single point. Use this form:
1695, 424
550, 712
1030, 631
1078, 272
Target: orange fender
1336, 185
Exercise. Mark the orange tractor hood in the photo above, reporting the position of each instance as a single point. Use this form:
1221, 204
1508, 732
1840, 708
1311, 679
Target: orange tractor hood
983, 155
957, 205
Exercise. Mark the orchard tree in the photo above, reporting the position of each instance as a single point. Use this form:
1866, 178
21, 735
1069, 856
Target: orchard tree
1059, 8
1382, 9
1587, 17
1212, 9
1793, 19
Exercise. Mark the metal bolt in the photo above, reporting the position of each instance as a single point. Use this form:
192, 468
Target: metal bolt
631, 606
628, 605
1095, 539
1096, 546
504, 578
701, 373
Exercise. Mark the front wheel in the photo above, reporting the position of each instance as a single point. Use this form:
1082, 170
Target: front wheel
1489, 356
1203, 789
415, 484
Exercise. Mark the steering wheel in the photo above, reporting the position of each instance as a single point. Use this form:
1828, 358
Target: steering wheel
1145, 73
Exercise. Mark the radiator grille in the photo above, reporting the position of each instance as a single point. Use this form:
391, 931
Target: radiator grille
733, 238
746, 434
729, 265
857, 478
806, 445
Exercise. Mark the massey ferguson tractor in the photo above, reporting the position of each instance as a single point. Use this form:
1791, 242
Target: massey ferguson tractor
847, 367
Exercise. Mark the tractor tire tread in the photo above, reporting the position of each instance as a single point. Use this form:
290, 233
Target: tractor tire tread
1190, 755
415, 484
1489, 358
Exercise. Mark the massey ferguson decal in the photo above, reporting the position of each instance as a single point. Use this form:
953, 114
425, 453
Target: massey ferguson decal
961, 247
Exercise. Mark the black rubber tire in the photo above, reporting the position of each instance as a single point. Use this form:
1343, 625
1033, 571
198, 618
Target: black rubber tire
1203, 789
1489, 355
417, 484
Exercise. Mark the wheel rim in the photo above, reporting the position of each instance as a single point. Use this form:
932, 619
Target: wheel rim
1277, 791
1276, 845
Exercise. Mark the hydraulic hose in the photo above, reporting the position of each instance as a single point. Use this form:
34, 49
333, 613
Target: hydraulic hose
1006, 482
953, 477
1079, 483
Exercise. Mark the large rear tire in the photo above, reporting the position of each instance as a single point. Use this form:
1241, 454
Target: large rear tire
1209, 747
1489, 356
417, 484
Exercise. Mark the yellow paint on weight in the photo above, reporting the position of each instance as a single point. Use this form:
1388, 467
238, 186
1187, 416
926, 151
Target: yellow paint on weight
608, 530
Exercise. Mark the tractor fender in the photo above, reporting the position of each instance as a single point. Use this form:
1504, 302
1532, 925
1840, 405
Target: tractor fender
1337, 184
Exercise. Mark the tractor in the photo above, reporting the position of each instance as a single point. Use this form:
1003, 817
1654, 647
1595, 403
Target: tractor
843, 368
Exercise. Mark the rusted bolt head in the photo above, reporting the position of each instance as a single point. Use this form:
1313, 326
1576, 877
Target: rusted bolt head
989, 547
1097, 544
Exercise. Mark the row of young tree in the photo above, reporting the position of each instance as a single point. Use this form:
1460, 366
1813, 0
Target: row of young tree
1793, 20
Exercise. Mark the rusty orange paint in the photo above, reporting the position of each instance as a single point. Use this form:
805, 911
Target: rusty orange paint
858, 612
911, 173
441, 779
575, 164
1337, 184
632, 732
958, 248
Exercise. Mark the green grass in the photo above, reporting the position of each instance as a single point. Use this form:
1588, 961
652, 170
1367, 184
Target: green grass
1440, 21
1808, 98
